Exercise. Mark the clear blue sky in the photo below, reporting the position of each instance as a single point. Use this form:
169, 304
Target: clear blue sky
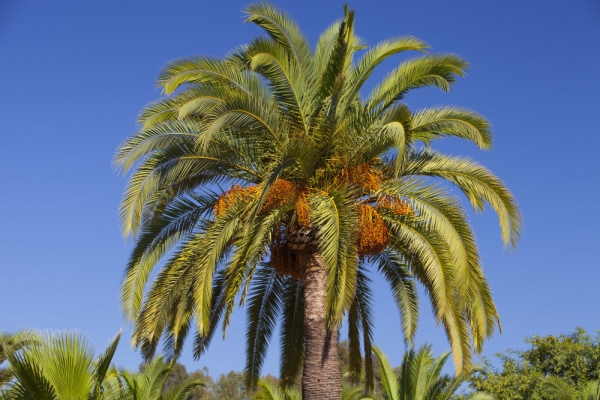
75, 74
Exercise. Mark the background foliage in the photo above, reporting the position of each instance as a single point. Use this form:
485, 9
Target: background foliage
573, 358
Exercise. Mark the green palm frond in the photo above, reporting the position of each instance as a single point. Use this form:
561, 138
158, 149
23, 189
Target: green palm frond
268, 391
325, 46
286, 79
57, 366
202, 341
350, 392
477, 183
246, 256
559, 389
182, 390
364, 309
178, 221
430, 70
404, 290
590, 391
378, 53
438, 122
434, 261
201, 70
292, 332
335, 215
150, 383
263, 306
102, 364
388, 376
31, 383
285, 32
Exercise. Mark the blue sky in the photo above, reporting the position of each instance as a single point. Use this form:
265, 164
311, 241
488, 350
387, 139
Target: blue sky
75, 74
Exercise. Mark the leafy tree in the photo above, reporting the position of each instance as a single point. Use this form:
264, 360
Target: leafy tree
566, 362
202, 392
59, 366
177, 375
231, 386
324, 182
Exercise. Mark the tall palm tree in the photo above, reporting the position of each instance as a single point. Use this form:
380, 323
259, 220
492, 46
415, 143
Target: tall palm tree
59, 366
321, 182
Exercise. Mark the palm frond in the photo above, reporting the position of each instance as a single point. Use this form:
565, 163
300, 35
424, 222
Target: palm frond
31, 382
291, 346
377, 54
102, 364
335, 215
263, 306
438, 70
438, 122
477, 183
247, 255
388, 377
285, 32
396, 272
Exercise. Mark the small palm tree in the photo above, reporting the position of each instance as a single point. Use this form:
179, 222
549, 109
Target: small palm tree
10, 344
324, 182
150, 383
268, 391
560, 390
421, 377
59, 366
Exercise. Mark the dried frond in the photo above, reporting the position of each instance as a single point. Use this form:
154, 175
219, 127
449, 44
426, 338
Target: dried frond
374, 235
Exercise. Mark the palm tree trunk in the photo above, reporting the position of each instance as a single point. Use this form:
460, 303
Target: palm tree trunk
321, 378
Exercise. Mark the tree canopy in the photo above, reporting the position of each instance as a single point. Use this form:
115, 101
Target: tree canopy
573, 359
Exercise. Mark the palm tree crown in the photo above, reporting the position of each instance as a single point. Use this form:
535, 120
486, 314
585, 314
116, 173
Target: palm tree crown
313, 165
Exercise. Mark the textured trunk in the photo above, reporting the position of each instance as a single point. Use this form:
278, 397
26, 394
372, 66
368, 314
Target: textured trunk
321, 377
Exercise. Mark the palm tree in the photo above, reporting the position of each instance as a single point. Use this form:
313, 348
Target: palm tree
269, 391
11, 344
560, 390
150, 383
420, 377
59, 366
321, 182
